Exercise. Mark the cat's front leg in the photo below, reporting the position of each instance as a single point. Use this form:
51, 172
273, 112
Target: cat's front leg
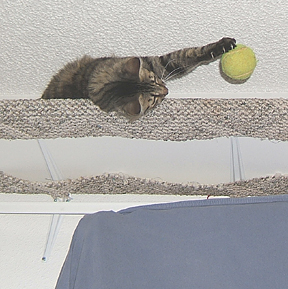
192, 57
180, 62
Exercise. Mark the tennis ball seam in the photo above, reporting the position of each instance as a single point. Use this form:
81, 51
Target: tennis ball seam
244, 74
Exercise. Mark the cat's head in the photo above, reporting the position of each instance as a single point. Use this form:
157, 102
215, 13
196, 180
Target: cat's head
130, 89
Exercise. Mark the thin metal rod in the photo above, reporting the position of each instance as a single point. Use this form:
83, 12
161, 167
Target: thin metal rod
50, 163
240, 162
54, 230
57, 218
232, 164
236, 162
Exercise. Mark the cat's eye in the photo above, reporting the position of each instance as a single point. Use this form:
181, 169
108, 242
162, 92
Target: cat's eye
153, 78
152, 100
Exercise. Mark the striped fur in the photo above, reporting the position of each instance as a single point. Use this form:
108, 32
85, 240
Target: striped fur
131, 85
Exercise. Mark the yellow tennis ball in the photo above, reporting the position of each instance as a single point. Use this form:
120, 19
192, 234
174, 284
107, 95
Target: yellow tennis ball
239, 63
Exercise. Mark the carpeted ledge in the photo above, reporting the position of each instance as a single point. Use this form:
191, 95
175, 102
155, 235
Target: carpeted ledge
174, 120
122, 184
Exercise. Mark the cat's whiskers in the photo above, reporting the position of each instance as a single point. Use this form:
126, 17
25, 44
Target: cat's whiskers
162, 76
170, 75
167, 77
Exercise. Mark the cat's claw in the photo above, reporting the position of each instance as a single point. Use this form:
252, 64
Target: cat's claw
222, 46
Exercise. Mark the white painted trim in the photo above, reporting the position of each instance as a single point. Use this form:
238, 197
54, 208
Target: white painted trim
63, 208
229, 95
82, 208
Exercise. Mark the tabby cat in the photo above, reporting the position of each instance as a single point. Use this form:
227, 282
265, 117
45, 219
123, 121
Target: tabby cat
130, 86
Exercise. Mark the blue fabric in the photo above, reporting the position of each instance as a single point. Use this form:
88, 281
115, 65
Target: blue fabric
219, 243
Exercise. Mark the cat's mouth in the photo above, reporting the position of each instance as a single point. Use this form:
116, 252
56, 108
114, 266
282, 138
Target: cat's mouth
156, 99
161, 93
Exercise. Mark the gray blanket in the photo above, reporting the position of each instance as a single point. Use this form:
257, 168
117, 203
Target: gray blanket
219, 243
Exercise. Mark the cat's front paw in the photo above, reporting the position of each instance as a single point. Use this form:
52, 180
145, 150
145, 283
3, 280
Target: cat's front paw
222, 46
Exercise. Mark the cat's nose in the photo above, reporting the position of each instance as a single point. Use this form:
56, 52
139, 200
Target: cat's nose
164, 90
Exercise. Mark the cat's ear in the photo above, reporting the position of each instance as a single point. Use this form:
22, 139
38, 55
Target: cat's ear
132, 67
133, 108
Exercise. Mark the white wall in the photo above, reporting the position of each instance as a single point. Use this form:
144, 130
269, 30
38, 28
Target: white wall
39, 36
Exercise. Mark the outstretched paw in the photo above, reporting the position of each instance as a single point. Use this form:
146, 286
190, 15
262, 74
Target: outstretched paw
222, 46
